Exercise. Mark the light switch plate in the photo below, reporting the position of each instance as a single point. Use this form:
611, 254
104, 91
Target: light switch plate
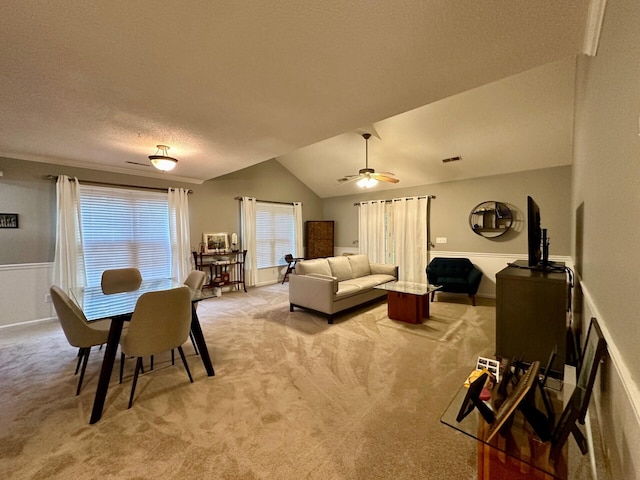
441, 239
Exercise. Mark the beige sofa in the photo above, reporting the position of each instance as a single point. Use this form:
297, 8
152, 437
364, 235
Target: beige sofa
334, 284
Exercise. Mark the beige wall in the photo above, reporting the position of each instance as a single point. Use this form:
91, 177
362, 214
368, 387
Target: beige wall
216, 210
213, 208
550, 187
606, 211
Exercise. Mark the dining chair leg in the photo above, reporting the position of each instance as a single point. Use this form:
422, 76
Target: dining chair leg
80, 351
151, 365
173, 357
85, 355
184, 361
122, 357
135, 380
193, 341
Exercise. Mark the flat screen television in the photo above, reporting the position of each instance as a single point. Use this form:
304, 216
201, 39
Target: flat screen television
534, 233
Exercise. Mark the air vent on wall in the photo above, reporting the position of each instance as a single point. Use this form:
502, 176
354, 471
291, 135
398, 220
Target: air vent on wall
452, 159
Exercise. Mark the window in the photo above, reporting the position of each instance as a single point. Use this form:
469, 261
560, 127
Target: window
275, 233
125, 228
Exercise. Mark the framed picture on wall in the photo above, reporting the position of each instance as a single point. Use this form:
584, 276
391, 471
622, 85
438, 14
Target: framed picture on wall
8, 220
214, 242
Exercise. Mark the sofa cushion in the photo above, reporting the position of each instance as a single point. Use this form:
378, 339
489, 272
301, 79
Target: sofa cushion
340, 268
346, 289
381, 278
317, 265
359, 265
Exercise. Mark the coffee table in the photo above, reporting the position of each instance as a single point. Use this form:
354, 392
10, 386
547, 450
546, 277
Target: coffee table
408, 301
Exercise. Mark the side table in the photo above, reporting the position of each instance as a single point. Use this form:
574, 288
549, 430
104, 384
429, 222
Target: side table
407, 301
225, 268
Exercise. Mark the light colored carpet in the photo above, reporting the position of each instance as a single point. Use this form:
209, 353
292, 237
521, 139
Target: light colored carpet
292, 398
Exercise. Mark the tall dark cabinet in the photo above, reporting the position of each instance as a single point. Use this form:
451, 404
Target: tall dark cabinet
319, 237
531, 315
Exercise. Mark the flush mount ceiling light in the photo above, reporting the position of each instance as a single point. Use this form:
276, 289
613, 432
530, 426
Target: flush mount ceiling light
161, 160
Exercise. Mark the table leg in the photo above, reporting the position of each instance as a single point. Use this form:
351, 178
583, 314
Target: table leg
202, 345
107, 368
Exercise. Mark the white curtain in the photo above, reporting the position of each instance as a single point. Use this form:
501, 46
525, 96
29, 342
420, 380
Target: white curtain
410, 238
68, 262
297, 237
248, 224
180, 237
372, 231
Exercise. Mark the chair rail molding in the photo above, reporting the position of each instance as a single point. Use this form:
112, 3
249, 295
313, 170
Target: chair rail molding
24, 293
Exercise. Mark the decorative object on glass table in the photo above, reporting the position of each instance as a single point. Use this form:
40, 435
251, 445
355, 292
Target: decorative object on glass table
473, 399
514, 398
490, 364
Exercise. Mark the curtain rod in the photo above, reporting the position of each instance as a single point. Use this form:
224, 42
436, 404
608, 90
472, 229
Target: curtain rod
357, 204
122, 185
270, 201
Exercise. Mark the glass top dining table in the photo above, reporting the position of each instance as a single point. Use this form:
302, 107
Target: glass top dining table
97, 305
119, 307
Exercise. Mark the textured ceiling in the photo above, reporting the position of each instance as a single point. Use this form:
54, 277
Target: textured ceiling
231, 84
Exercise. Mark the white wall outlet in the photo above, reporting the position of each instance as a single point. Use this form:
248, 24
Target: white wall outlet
441, 239
47, 298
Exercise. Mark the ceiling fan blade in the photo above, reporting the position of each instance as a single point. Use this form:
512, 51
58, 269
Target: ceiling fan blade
342, 181
384, 178
388, 174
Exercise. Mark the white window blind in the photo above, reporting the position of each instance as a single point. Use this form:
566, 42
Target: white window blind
125, 228
275, 232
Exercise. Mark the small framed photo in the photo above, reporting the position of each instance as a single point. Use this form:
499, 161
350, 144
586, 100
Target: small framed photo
214, 242
8, 220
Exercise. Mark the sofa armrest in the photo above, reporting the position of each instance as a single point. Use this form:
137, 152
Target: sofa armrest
384, 268
314, 291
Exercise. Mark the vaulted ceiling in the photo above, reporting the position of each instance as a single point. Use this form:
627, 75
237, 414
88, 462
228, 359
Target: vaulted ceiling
231, 84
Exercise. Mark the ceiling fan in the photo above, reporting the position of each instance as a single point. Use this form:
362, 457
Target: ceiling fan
367, 177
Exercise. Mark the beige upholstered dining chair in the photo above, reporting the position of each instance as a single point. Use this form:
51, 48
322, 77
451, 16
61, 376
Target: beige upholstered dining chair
79, 332
120, 280
160, 322
194, 280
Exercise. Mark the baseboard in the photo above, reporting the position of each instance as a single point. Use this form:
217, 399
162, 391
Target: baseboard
29, 323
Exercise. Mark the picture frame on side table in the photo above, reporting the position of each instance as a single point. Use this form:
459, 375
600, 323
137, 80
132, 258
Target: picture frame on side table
574, 413
215, 242
593, 352
472, 400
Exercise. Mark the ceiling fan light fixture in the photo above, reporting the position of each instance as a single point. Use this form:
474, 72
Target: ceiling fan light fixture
161, 160
368, 177
367, 182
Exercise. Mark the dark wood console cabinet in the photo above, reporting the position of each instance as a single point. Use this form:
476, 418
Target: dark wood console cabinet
531, 315
319, 237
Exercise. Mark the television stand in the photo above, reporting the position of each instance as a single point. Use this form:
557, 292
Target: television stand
531, 312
